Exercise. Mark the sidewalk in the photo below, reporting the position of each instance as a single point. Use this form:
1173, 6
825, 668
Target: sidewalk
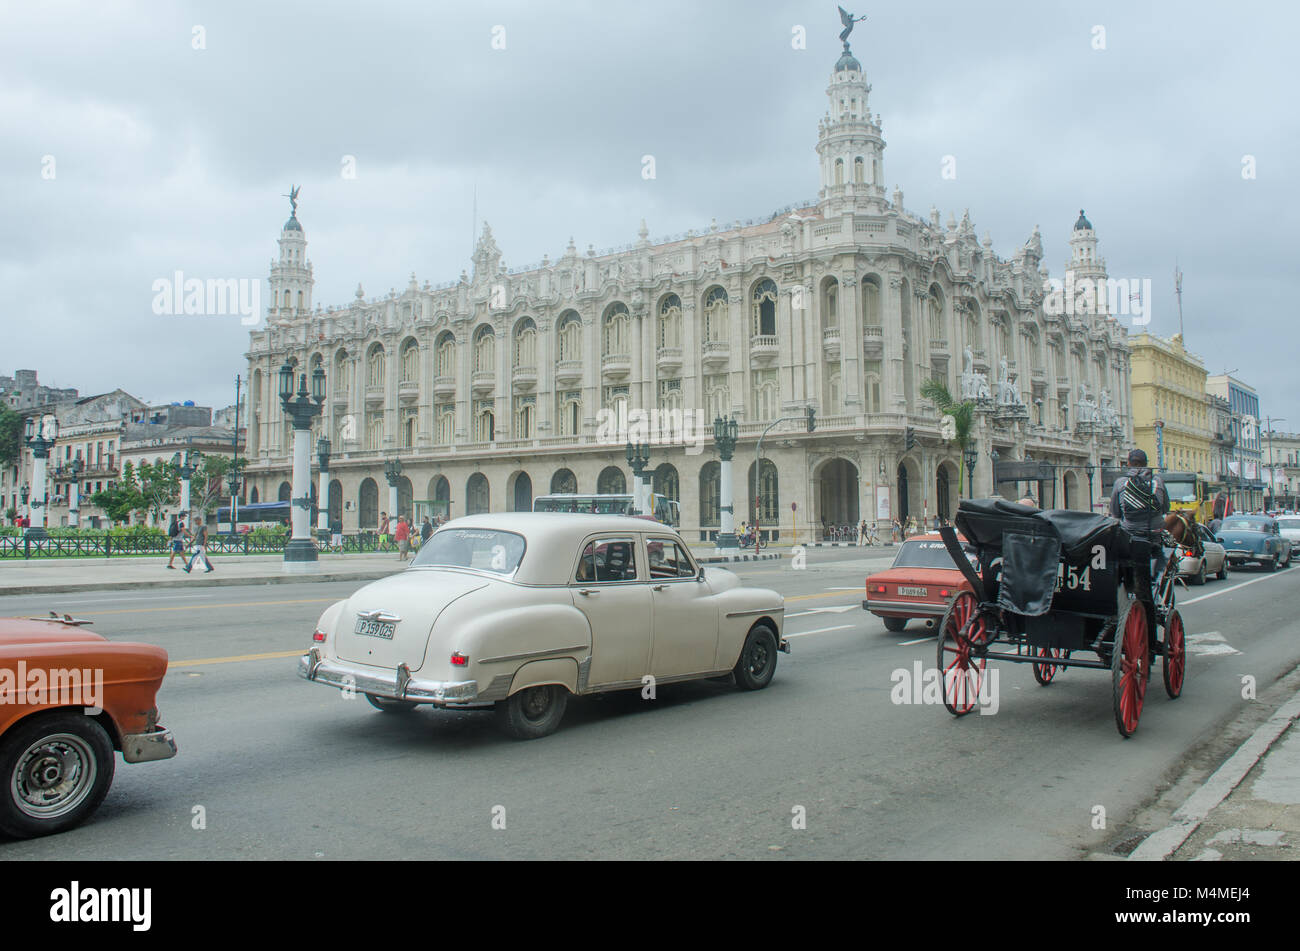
1248, 810
67, 575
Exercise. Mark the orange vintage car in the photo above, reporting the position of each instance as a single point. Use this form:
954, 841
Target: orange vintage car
68, 699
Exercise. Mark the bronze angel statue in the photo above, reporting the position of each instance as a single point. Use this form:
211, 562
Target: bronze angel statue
848, 19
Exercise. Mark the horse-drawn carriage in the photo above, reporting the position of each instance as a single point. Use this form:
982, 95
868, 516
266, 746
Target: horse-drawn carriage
1051, 585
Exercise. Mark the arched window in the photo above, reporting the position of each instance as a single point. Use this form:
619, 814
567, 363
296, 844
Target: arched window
715, 315
830, 304
768, 495
570, 331
564, 482
485, 426
524, 416
839, 171
873, 393
937, 331
710, 494
611, 481
477, 498
570, 415
444, 356
300, 300
446, 426
764, 302
375, 366
526, 343
666, 483
410, 362
670, 321
368, 504
342, 373
834, 393
859, 171
871, 301
485, 350
616, 329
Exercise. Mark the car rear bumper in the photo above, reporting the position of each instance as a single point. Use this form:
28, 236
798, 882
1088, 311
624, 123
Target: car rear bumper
395, 685
147, 747
908, 608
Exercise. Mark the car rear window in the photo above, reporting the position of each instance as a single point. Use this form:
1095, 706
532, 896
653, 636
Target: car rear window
1288, 523
927, 554
482, 548
1241, 525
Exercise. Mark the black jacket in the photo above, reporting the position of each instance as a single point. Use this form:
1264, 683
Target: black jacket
1141, 522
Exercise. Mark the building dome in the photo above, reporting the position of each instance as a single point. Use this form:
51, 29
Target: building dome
292, 224
847, 61
1083, 224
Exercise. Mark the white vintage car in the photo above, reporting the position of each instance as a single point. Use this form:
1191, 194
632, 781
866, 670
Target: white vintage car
518, 611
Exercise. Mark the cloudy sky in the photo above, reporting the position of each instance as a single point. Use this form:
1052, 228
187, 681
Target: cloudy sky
128, 154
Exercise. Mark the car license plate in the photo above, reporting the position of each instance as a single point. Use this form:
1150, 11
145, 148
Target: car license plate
382, 629
914, 592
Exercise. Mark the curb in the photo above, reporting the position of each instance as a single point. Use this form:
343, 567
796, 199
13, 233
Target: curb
190, 583
1163, 843
716, 559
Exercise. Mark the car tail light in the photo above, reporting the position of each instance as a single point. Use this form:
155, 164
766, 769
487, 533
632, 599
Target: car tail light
881, 589
1188, 553
459, 660
318, 636
943, 592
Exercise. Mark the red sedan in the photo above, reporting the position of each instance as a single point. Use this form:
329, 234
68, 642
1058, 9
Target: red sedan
919, 584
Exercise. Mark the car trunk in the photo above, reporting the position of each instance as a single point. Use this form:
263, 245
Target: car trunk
415, 616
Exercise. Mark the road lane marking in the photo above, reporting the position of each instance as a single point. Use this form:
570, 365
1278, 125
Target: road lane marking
240, 658
852, 587
1215, 594
204, 607
821, 630
824, 594
835, 609
921, 640
127, 597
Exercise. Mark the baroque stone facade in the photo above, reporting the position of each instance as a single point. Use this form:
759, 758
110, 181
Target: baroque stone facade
494, 388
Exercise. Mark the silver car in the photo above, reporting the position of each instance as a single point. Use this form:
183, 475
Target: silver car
1289, 525
1212, 561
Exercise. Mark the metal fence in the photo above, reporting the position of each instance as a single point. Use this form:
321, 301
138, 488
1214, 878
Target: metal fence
105, 546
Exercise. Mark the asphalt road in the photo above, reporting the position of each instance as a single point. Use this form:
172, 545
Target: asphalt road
279, 768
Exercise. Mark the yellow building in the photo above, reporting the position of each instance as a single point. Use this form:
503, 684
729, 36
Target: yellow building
1169, 396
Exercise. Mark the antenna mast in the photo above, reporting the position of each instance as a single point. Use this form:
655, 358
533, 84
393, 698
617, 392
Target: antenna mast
1178, 290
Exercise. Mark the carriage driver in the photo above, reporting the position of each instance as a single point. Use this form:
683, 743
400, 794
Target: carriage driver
1140, 501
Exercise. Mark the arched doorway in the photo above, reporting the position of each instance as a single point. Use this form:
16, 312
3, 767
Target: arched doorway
611, 481
252, 496
904, 490
335, 501
945, 490
837, 493
477, 494
1070, 496
768, 494
405, 496
286, 492
442, 492
564, 482
523, 493
368, 504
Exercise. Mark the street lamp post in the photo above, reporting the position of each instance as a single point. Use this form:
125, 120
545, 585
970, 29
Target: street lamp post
1091, 470
300, 554
40, 434
393, 473
24, 494
74, 493
638, 457
187, 467
725, 434
971, 457
232, 483
323, 496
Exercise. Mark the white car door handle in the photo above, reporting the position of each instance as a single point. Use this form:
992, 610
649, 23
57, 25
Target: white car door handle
587, 591
659, 587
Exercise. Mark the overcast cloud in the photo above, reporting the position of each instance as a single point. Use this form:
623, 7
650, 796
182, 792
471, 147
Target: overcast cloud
170, 158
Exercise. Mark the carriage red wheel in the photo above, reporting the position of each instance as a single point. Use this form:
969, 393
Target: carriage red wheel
1045, 673
1175, 664
1130, 667
961, 670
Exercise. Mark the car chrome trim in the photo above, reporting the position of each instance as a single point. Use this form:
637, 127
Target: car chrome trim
378, 616
756, 611
498, 688
916, 607
148, 747
381, 683
584, 673
532, 655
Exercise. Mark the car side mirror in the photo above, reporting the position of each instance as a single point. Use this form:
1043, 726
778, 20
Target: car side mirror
699, 575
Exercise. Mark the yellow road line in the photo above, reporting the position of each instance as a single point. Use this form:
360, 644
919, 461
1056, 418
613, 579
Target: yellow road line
235, 660
194, 607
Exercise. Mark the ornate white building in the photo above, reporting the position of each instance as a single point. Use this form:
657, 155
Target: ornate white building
490, 389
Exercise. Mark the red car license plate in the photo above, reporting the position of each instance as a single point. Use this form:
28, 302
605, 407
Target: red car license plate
914, 592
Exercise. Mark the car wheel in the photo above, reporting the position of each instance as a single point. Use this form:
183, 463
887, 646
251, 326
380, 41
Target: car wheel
757, 661
895, 624
1223, 571
533, 712
55, 770
1270, 565
1199, 578
389, 705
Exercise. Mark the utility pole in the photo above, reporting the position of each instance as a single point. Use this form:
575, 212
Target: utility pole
1178, 291
234, 464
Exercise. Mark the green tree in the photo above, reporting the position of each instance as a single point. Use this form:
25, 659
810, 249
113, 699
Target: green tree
963, 417
11, 435
118, 502
160, 486
209, 481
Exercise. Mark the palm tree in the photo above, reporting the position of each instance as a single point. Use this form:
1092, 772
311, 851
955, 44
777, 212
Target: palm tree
963, 417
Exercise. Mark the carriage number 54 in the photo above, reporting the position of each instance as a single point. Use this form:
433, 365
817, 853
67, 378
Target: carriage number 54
1073, 578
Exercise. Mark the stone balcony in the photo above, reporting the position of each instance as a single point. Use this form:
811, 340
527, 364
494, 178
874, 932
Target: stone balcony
831, 343
374, 394
939, 347
669, 360
524, 377
482, 382
444, 386
339, 394
568, 372
408, 390
616, 366
764, 348
873, 342
716, 354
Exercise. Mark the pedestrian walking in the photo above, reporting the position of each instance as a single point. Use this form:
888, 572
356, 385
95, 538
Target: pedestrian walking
336, 534
874, 539
426, 529
200, 546
383, 531
177, 535
402, 535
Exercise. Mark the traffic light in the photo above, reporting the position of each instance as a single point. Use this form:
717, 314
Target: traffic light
911, 437
812, 419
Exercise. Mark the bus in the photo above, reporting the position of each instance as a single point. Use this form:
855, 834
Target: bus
1188, 491
666, 510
